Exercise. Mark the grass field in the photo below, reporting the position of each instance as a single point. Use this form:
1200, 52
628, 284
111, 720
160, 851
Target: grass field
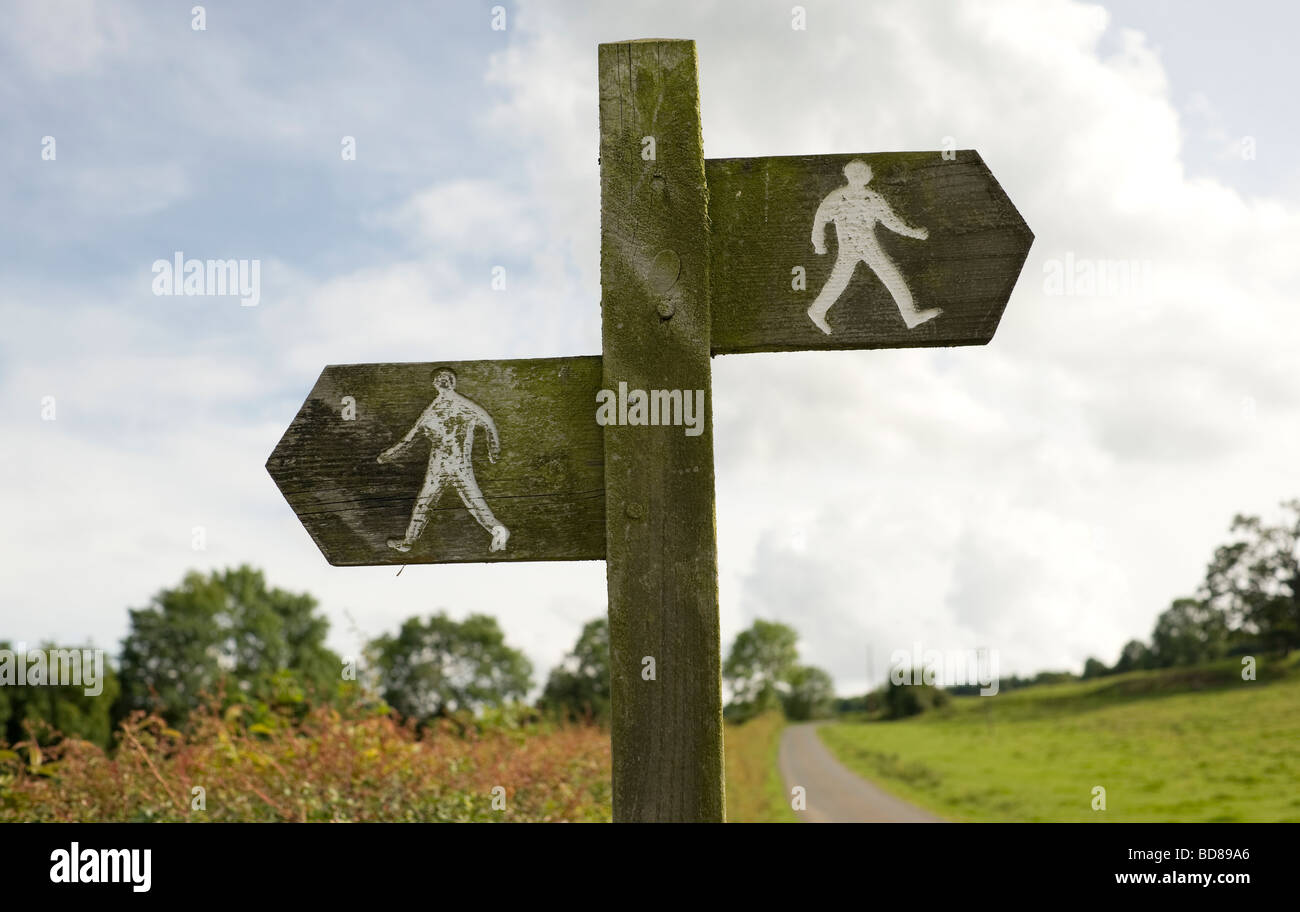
755, 793
1183, 744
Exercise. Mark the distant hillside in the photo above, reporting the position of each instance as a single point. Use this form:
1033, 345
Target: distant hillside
1195, 743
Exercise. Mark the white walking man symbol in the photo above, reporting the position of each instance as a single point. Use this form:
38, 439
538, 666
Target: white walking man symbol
449, 424
855, 210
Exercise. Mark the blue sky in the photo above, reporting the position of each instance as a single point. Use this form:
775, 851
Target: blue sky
1046, 496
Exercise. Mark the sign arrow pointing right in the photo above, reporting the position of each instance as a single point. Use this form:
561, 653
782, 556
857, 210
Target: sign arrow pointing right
878, 250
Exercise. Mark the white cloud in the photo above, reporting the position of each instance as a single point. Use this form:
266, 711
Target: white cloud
58, 38
471, 216
1054, 489
1044, 496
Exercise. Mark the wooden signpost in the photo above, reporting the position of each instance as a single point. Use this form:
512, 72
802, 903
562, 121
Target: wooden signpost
611, 457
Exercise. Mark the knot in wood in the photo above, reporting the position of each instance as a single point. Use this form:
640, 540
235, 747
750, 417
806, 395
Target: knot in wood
664, 271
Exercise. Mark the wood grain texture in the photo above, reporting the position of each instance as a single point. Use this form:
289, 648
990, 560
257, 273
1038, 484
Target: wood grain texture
661, 544
762, 211
547, 486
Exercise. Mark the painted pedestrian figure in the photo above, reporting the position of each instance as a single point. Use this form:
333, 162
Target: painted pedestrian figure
856, 210
449, 424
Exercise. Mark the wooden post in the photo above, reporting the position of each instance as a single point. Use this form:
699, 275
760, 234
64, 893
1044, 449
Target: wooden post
683, 276
661, 544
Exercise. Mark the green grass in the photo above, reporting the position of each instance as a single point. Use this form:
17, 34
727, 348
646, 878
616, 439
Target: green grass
755, 793
1194, 744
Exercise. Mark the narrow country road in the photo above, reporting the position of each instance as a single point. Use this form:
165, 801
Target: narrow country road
834, 794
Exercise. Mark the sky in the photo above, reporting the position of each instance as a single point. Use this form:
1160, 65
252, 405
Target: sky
1045, 496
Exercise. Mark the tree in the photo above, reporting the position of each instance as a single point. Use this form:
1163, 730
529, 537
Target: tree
760, 661
225, 635
438, 666
1133, 656
1255, 581
810, 695
578, 688
65, 708
900, 700
1094, 668
1188, 632
1053, 677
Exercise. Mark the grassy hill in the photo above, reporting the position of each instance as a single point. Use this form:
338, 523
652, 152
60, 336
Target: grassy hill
1186, 744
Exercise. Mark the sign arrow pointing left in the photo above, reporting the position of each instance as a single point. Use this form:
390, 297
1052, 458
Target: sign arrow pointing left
449, 462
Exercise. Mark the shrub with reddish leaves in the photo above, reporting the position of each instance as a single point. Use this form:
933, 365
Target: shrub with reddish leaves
327, 765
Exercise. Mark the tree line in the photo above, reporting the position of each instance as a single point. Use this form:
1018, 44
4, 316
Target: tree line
227, 638
1249, 601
